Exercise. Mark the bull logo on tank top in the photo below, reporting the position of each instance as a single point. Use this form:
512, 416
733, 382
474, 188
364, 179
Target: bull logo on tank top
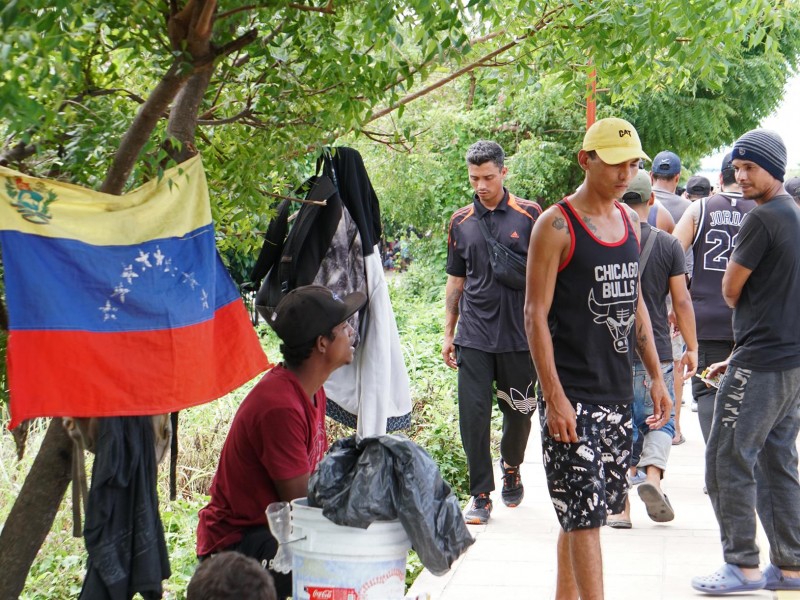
612, 300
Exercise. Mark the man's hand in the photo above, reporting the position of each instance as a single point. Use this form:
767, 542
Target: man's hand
662, 405
688, 365
561, 419
716, 369
449, 352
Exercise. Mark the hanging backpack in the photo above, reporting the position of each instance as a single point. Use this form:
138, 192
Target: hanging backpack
322, 246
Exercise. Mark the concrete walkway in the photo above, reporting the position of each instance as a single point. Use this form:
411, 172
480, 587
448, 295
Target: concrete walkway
513, 557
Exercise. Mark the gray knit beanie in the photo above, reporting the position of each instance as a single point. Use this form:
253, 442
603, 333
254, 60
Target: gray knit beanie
765, 148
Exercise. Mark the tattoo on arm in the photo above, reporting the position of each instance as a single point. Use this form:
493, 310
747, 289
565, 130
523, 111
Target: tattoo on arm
451, 302
560, 223
641, 339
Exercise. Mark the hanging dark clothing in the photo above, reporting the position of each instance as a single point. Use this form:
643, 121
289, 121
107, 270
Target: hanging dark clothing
346, 169
123, 533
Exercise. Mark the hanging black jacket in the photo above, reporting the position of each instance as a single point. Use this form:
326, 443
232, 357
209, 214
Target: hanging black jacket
346, 169
123, 533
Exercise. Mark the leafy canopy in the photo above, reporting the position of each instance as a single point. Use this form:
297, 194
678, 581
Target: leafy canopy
75, 73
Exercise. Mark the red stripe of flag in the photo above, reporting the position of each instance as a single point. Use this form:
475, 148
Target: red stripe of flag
131, 373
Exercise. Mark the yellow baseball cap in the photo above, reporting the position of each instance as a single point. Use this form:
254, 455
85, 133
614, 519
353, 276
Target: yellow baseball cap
614, 140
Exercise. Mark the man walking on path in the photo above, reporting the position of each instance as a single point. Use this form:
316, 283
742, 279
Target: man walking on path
665, 175
709, 227
582, 297
662, 270
751, 455
490, 345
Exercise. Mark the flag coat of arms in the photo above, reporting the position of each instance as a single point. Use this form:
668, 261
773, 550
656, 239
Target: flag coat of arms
119, 305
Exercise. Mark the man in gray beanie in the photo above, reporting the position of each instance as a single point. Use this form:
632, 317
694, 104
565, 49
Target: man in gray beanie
751, 456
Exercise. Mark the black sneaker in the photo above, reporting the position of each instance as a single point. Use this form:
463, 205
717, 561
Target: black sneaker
479, 510
512, 485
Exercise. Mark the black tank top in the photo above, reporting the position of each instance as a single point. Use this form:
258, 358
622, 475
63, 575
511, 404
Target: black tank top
720, 218
593, 312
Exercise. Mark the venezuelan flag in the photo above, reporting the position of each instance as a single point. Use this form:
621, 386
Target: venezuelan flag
119, 305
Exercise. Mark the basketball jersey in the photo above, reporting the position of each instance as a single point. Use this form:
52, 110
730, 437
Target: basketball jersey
720, 218
593, 313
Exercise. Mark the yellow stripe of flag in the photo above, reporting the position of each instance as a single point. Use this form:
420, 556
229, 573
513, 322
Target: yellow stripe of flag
171, 207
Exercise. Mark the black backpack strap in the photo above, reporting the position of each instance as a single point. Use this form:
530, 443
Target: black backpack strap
273, 245
322, 189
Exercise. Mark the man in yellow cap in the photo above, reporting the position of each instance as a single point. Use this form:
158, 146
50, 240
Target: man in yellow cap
580, 310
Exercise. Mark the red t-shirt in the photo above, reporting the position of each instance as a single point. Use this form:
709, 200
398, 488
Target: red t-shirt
277, 434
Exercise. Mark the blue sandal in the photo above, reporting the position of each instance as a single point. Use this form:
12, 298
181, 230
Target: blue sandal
727, 580
777, 581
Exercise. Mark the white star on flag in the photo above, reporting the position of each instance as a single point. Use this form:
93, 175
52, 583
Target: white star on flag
120, 291
144, 259
158, 256
129, 274
108, 311
189, 278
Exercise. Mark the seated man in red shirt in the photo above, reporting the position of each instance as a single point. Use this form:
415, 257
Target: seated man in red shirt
278, 434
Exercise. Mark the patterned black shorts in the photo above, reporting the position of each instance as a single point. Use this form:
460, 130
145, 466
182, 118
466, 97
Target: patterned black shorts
587, 479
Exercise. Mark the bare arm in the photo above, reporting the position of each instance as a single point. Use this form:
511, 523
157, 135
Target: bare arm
686, 228
452, 292
733, 281
664, 220
684, 314
549, 244
289, 489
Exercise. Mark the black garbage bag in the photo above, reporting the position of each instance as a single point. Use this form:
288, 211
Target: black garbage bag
390, 477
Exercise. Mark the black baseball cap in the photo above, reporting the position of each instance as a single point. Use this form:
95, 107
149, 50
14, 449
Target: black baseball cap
698, 186
792, 186
727, 162
310, 311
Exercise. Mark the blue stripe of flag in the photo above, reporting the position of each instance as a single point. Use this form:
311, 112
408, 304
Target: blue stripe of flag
159, 284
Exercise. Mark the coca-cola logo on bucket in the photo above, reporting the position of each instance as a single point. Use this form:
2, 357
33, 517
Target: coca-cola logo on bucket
328, 593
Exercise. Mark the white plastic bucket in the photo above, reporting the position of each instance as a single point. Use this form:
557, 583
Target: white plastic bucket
332, 562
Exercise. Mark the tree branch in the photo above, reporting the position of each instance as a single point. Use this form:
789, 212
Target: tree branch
142, 127
541, 24
247, 112
233, 11
327, 9
17, 153
317, 202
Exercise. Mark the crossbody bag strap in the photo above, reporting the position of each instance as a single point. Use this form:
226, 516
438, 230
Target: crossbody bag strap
648, 247
485, 231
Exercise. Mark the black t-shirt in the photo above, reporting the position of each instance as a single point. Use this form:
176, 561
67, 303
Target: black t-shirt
666, 261
766, 320
490, 313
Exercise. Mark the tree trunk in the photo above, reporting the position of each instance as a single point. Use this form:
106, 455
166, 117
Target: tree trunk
183, 116
141, 129
33, 512
36, 506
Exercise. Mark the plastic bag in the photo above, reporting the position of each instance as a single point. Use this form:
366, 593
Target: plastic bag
390, 477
